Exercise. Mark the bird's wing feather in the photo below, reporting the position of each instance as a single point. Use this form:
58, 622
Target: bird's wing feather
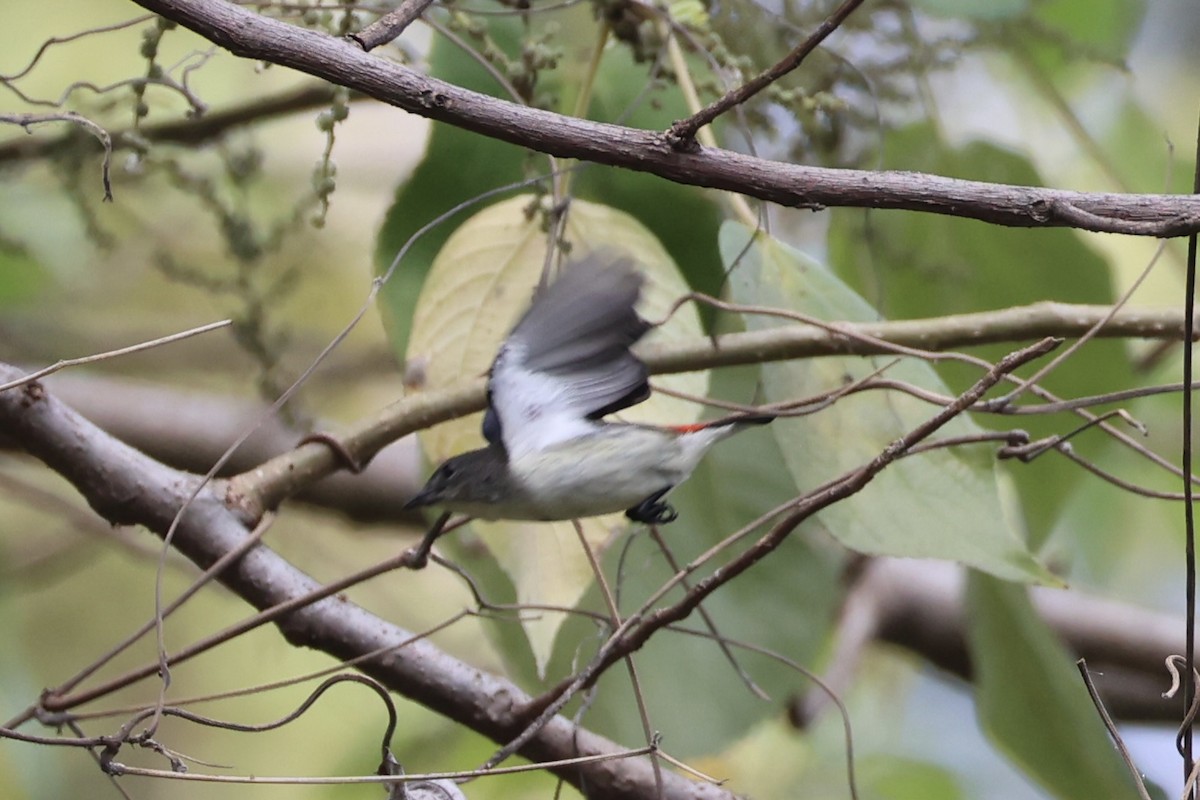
567, 362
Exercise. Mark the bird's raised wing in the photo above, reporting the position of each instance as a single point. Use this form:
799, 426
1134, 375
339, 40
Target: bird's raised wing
567, 362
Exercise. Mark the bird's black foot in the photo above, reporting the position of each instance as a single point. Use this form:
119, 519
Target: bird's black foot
337, 448
653, 511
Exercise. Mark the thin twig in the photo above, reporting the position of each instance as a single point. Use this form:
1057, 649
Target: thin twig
673, 563
1088, 335
813, 502
205, 578
681, 135
1104, 475
26, 121
1112, 730
189, 130
122, 351
265, 687
614, 620
1189, 517
53, 40
820, 683
388, 779
237, 629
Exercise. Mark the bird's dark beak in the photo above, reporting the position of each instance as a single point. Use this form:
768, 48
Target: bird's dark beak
425, 497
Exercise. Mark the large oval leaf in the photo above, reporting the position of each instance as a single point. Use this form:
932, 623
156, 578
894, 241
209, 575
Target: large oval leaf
942, 504
924, 265
479, 284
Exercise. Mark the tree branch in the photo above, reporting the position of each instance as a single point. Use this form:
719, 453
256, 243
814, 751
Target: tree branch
27, 121
190, 431
917, 605
192, 130
126, 487
682, 134
251, 35
390, 25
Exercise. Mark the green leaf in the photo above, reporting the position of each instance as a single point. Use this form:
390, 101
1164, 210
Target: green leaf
775, 760
1139, 152
479, 284
21, 275
942, 504
927, 265
1105, 27
1031, 699
898, 778
983, 10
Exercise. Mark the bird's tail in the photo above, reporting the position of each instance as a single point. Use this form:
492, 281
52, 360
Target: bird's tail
732, 423
696, 439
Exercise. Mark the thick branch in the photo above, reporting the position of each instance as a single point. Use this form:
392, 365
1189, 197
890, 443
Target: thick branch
936, 333
918, 606
124, 486
251, 35
190, 431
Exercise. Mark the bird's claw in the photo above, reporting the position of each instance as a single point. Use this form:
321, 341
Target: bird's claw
652, 511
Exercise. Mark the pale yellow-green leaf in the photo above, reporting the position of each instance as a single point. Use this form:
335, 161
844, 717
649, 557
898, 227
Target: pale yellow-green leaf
691, 13
480, 283
941, 504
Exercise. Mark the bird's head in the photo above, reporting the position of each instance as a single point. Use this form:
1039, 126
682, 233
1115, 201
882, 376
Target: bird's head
478, 476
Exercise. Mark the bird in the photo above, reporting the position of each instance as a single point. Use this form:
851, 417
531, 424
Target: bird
550, 454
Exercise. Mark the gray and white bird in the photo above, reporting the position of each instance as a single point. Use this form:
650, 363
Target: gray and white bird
550, 454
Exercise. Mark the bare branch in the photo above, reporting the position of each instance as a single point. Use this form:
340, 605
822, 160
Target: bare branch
1113, 733
917, 605
191, 130
682, 133
46, 45
26, 121
122, 351
390, 25
252, 35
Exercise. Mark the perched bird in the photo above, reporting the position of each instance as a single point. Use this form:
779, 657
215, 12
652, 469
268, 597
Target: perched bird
550, 455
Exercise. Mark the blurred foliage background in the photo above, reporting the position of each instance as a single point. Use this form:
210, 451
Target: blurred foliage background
282, 224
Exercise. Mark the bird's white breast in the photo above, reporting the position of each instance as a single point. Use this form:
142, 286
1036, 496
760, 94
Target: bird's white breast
613, 468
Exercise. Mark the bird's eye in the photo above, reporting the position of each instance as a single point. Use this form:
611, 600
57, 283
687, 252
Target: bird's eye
447, 471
